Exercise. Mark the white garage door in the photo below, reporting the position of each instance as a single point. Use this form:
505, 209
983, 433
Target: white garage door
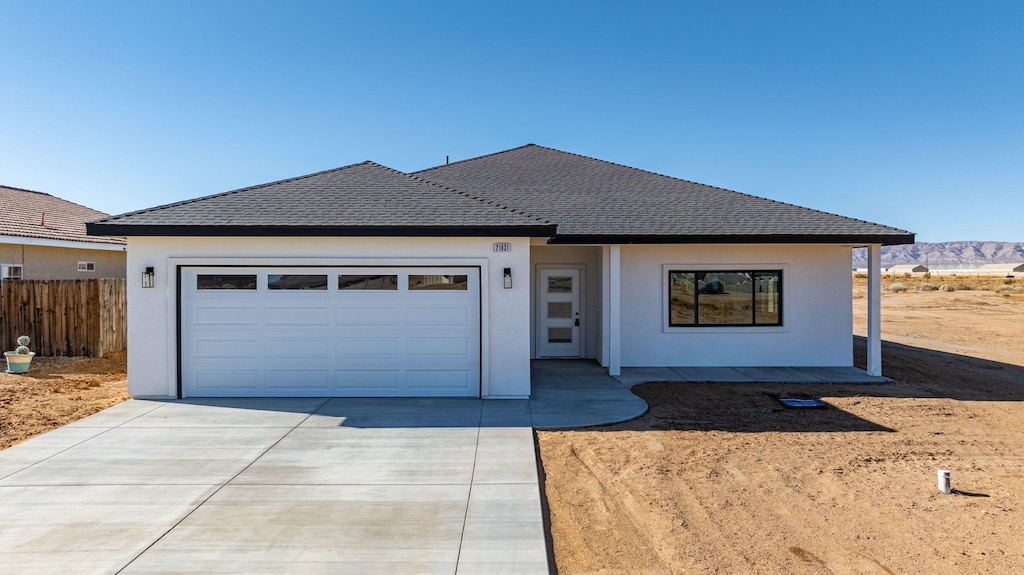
371, 332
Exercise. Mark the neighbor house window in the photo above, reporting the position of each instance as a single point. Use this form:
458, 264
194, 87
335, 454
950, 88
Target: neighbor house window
86, 266
724, 298
10, 271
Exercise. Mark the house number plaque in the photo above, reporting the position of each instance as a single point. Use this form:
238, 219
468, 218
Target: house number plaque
503, 247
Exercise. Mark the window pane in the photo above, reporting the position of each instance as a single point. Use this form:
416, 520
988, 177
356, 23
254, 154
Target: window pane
560, 284
724, 298
682, 298
296, 282
559, 309
378, 282
560, 335
209, 281
439, 282
768, 298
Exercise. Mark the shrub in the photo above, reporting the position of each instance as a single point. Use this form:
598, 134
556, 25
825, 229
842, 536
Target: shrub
898, 287
928, 287
945, 287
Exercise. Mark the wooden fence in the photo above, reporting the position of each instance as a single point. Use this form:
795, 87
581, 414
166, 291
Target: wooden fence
64, 317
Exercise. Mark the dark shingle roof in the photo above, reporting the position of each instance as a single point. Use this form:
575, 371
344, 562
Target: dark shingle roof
29, 214
594, 201
360, 199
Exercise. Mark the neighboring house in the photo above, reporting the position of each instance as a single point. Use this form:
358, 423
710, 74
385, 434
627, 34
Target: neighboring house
1000, 269
43, 237
907, 269
366, 281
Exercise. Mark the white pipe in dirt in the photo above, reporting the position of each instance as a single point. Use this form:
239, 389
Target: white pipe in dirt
944, 483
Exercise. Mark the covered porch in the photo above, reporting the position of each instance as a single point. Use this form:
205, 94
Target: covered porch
618, 313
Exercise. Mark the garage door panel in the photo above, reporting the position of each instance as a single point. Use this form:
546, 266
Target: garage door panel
378, 347
446, 379
439, 315
298, 380
368, 379
364, 342
303, 316
218, 381
219, 314
226, 348
287, 347
368, 316
439, 346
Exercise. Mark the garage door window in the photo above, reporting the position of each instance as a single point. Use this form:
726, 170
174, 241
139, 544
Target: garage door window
368, 282
296, 282
204, 281
438, 282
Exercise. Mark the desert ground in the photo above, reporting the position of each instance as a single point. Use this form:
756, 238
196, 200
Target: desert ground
57, 391
720, 478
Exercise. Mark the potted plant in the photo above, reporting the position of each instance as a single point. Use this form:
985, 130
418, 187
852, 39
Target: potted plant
19, 360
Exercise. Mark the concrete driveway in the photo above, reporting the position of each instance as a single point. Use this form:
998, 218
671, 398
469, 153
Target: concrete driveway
278, 486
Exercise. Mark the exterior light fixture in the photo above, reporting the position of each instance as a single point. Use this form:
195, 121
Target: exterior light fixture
148, 278
508, 278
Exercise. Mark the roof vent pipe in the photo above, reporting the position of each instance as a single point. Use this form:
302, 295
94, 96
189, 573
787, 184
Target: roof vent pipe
446, 160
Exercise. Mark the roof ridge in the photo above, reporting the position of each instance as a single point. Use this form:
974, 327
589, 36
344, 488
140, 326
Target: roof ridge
58, 198
235, 191
478, 199
28, 190
480, 157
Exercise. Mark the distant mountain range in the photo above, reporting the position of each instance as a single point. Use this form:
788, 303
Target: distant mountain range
966, 254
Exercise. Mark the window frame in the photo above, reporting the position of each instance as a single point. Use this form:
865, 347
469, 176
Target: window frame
695, 268
87, 267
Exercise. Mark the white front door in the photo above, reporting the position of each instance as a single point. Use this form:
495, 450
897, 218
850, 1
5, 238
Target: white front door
559, 331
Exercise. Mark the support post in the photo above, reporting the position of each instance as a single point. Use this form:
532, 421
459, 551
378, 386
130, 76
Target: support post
874, 360
605, 306
614, 318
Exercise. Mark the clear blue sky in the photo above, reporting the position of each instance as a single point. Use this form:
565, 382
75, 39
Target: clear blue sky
908, 113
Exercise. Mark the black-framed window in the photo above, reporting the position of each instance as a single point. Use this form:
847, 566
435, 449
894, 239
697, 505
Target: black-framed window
711, 298
438, 282
368, 282
226, 281
297, 282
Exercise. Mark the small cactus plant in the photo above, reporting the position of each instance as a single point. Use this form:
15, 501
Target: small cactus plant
19, 360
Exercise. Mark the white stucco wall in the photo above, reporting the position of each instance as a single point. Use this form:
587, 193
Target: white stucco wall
817, 319
152, 313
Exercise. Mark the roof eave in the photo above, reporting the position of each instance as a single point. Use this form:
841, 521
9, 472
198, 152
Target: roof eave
844, 239
114, 229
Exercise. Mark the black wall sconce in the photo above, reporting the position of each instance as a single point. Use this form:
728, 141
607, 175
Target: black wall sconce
508, 278
148, 278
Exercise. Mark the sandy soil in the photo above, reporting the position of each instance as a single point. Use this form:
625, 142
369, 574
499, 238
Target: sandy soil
722, 479
57, 391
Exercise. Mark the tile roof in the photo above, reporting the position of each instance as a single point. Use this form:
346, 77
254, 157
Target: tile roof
29, 214
360, 199
593, 200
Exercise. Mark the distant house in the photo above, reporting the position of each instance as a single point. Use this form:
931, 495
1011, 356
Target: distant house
907, 269
1000, 269
43, 237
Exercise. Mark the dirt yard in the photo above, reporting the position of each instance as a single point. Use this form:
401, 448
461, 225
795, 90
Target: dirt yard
722, 479
57, 391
